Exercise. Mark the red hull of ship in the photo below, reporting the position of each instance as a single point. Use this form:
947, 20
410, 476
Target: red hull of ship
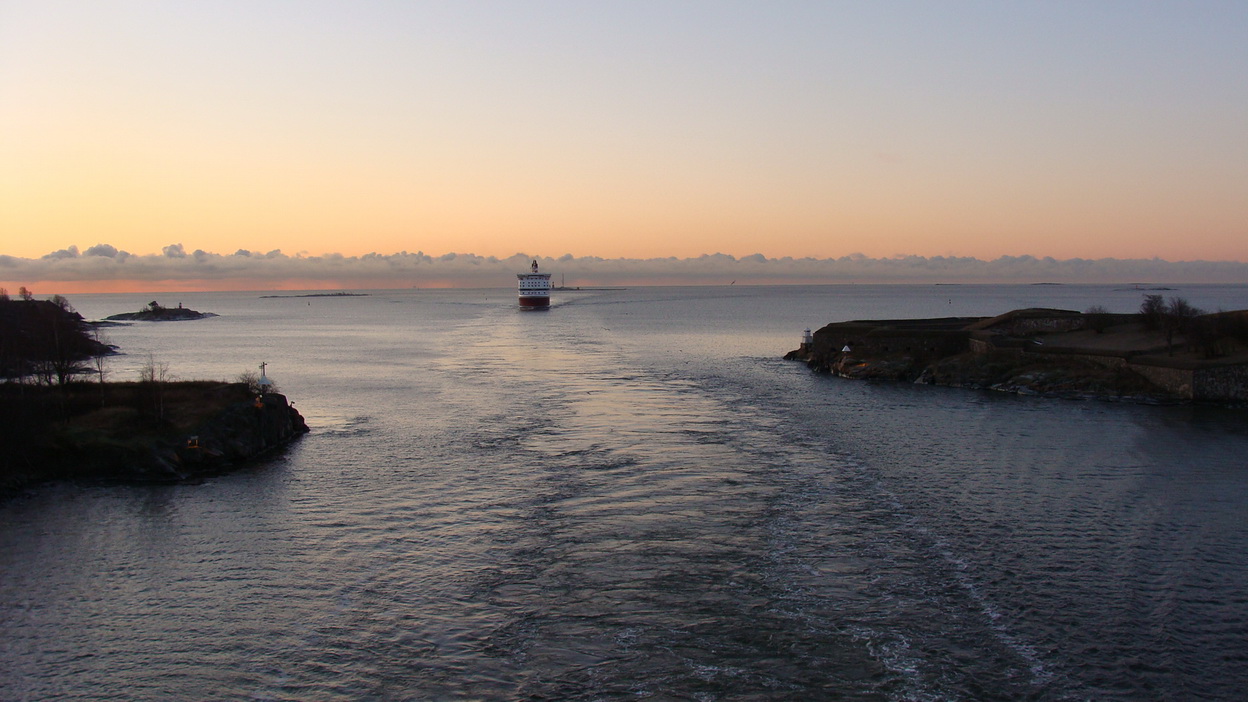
535, 302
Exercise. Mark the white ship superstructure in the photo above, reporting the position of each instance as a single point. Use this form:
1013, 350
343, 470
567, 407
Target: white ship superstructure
534, 289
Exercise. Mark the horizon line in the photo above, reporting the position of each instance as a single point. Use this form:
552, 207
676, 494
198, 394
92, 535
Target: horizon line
104, 268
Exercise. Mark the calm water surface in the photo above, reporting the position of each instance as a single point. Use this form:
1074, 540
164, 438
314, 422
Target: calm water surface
631, 497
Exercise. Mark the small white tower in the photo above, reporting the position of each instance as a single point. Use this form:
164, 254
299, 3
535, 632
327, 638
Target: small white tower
807, 338
264, 381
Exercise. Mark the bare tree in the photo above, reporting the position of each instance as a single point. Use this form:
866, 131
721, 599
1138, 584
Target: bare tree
66, 354
1098, 318
154, 371
252, 380
1152, 310
101, 356
1235, 325
1180, 318
1212, 334
153, 376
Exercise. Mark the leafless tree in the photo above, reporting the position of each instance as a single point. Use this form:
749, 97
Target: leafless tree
1152, 310
252, 380
153, 376
1098, 318
1180, 318
66, 355
101, 358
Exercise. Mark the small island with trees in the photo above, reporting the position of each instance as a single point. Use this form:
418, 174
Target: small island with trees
1168, 352
330, 294
62, 417
155, 312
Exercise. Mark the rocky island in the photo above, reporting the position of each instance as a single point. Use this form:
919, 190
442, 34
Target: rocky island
56, 425
1169, 352
138, 432
155, 312
332, 294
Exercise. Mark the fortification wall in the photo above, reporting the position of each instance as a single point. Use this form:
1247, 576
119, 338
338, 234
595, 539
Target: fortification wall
1177, 381
1108, 360
1025, 326
1225, 384
879, 342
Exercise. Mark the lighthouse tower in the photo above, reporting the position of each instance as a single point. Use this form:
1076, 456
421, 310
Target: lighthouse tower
264, 383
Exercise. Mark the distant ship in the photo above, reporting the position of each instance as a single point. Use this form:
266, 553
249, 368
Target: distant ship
534, 289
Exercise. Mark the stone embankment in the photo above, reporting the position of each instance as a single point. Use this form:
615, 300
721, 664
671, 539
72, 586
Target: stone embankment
1036, 351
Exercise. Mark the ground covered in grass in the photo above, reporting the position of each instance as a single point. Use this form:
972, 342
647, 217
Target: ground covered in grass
83, 430
1055, 376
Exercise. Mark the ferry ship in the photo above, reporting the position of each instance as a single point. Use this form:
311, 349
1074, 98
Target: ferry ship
534, 289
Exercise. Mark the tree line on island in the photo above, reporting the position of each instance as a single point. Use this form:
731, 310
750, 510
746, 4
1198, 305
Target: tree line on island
46, 341
1212, 335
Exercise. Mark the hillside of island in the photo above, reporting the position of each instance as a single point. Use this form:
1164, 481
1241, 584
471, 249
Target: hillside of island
63, 417
1167, 352
156, 312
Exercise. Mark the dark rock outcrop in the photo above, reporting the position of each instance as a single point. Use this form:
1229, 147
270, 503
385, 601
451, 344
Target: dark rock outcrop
1056, 353
242, 431
136, 432
156, 313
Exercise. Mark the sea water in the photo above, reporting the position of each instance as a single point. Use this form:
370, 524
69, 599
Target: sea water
631, 496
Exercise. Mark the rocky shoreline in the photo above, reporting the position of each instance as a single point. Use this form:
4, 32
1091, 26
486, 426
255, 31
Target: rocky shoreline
55, 426
1051, 353
241, 432
154, 312
200, 428
1080, 380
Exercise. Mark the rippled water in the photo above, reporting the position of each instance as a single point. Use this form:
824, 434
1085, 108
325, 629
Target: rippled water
631, 496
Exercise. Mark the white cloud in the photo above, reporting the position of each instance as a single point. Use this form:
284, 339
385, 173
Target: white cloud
70, 252
106, 250
275, 269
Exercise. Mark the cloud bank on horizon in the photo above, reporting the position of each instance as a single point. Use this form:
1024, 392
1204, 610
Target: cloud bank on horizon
104, 266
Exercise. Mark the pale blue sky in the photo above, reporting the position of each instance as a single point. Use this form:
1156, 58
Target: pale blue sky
627, 129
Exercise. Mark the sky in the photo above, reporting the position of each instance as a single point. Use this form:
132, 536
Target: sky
827, 139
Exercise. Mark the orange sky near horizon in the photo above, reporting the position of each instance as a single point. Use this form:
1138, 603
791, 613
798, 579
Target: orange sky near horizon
630, 130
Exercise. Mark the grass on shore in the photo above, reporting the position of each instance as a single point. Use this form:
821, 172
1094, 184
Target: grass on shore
62, 431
